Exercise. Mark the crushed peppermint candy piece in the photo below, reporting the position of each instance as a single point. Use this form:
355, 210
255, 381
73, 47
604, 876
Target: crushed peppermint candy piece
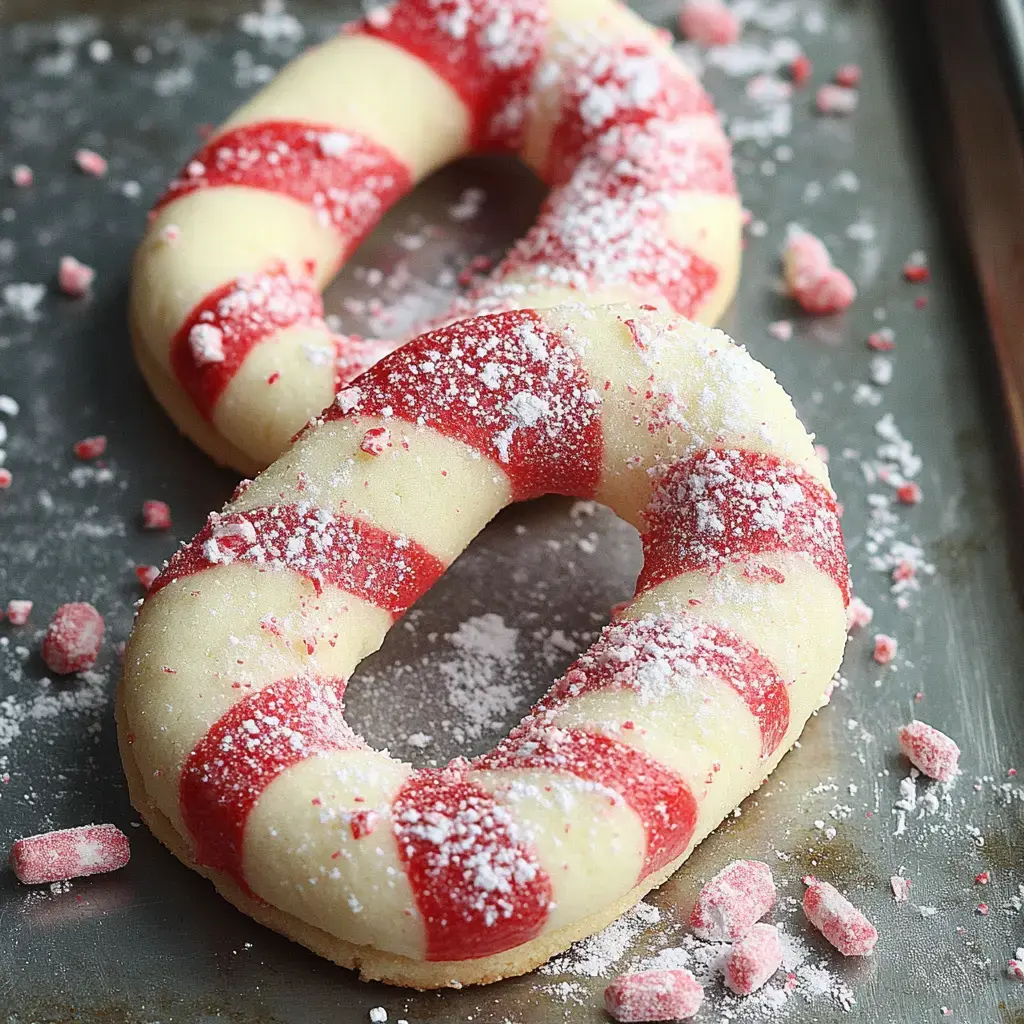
733, 901
819, 287
156, 515
375, 441
22, 176
74, 278
73, 638
708, 23
69, 853
900, 888
982, 878
206, 342
885, 648
838, 919
146, 574
6, 479
378, 1015
848, 76
91, 163
654, 996
781, 329
1015, 966
916, 269
90, 447
835, 101
882, 340
929, 750
858, 614
754, 959
18, 611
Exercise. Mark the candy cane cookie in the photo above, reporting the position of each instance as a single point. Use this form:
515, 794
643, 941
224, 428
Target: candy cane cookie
226, 313
230, 711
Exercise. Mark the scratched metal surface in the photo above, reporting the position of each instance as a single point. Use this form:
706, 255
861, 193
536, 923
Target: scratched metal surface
153, 942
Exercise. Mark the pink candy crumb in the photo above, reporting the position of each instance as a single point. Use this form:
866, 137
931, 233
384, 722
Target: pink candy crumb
22, 176
733, 901
929, 750
18, 612
1015, 966
754, 959
69, 853
156, 515
654, 996
91, 163
835, 101
885, 648
90, 447
376, 441
147, 575
800, 70
75, 278
73, 638
708, 23
848, 76
908, 493
6, 478
900, 888
858, 614
819, 287
838, 919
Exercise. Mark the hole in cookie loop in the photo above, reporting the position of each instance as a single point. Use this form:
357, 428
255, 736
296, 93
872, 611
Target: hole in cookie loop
679, 709
227, 315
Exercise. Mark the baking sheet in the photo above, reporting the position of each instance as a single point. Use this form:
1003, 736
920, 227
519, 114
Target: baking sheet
153, 942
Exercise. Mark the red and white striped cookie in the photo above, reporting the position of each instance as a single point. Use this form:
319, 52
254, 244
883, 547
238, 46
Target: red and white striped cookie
226, 312
230, 713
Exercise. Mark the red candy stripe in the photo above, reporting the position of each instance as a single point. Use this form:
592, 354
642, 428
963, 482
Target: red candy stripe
212, 343
244, 751
731, 506
346, 178
503, 384
385, 569
614, 84
661, 799
656, 657
476, 882
486, 50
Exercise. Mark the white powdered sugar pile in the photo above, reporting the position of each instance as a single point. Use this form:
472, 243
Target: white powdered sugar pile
596, 956
480, 681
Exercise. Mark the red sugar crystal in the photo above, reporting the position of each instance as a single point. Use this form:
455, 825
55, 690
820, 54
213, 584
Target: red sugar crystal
69, 853
800, 70
147, 574
908, 493
73, 638
929, 750
733, 901
653, 996
156, 515
90, 447
838, 919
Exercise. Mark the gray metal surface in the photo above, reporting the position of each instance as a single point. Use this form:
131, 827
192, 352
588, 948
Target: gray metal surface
153, 942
